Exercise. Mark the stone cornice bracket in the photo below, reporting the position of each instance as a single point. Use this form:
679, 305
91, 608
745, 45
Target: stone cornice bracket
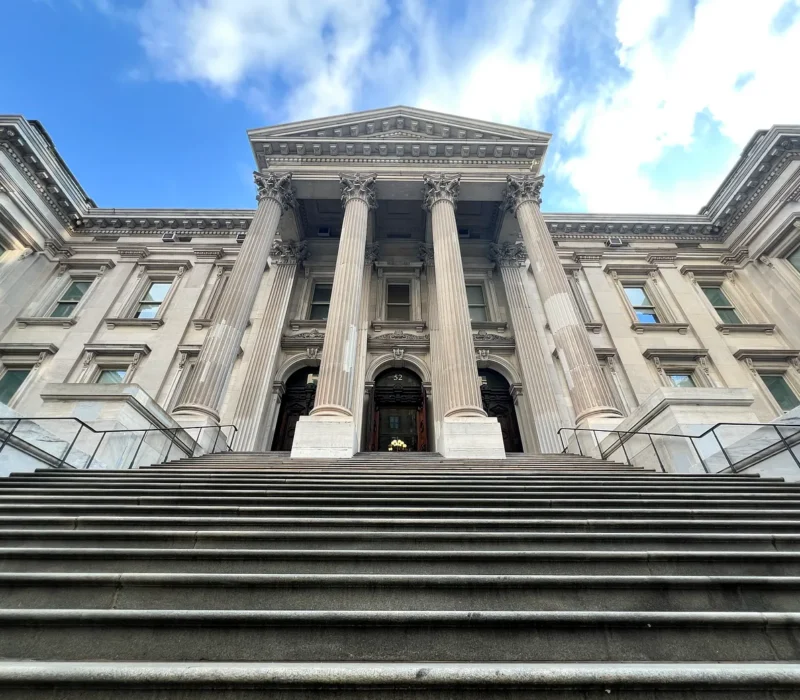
372, 252
425, 253
358, 186
508, 254
440, 187
288, 252
522, 189
277, 186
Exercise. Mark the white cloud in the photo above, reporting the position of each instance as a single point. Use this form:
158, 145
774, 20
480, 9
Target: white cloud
680, 66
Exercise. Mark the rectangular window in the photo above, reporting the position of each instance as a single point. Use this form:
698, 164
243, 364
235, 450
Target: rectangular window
320, 302
111, 376
722, 305
781, 391
68, 301
642, 306
681, 379
476, 302
10, 383
398, 302
794, 259
150, 303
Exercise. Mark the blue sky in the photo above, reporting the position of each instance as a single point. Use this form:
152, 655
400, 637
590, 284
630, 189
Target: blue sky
650, 101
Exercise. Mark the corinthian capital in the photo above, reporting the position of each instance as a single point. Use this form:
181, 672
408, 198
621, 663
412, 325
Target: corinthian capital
288, 252
440, 187
358, 186
523, 189
508, 254
277, 186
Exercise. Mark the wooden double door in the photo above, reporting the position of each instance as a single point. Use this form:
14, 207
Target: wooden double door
399, 412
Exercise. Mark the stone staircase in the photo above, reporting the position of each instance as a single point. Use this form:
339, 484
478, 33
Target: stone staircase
397, 577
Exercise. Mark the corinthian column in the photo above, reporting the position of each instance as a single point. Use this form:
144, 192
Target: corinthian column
251, 409
330, 430
539, 394
591, 396
467, 432
215, 362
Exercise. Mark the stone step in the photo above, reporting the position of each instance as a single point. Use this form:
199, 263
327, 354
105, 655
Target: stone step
180, 680
411, 540
182, 591
402, 636
385, 561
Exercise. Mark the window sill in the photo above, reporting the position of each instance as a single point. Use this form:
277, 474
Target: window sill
681, 328
66, 322
381, 325
498, 326
297, 324
767, 328
152, 323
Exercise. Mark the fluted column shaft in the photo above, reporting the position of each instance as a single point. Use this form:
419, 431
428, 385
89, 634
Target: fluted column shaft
538, 392
218, 354
337, 368
462, 396
251, 409
587, 386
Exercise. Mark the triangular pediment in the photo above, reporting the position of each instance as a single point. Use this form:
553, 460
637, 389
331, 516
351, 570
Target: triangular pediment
399, 122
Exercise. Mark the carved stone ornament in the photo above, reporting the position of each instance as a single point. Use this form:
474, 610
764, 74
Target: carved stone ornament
277, 186
398, 353
313, 334
482, 354
312, 352
372, 252
425, 253
484, 336
439, 188
520, 189
358, 186
508, 254
288, 252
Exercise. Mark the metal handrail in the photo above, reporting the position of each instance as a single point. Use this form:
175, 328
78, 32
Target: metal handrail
172, 433
629, 434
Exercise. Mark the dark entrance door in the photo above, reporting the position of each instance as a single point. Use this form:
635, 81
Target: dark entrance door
298, 400
399, 411
498, 403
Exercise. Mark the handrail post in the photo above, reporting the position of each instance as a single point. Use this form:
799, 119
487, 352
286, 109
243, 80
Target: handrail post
658, 456
10, 433
230, 444
561, 438
597, 442
96, 448
628, 462
138, 447
69, 448
577, 440
216, 440
171, 443
787, 446
197, 439
699, 456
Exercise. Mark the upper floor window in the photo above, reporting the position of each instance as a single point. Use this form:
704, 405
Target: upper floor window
722, 305
781, 391
681, 379
68, 301
398, 302
476, 302
111, 376
794, 259
10, 382
151, 301
643, 308
320, 302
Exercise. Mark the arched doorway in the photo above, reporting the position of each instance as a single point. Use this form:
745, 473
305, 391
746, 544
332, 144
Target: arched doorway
399, 411
498, 403
298, 400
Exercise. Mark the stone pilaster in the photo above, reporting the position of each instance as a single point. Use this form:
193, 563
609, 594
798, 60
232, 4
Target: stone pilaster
466, 430
510, 258
214, 365
590, 393
330, 430
251, 409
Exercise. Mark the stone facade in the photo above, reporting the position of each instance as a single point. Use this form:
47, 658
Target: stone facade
419, 237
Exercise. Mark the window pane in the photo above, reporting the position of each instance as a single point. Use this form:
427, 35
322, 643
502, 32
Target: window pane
157, 292
637, 296
716, 297
319, 312
794, 259
477, 313
781, 391
75, 291
682, 380
111, 376
398, 313
398, 293
147, 310
646, 317
728, 316
475, 294
63, 310
10, 382
322, 292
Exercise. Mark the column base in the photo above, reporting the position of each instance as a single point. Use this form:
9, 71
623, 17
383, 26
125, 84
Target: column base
324, 437
471, 438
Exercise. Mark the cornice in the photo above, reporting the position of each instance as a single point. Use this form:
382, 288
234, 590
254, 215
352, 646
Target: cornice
628, 227
157, 222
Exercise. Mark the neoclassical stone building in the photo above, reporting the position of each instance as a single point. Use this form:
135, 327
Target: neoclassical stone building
398, 280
